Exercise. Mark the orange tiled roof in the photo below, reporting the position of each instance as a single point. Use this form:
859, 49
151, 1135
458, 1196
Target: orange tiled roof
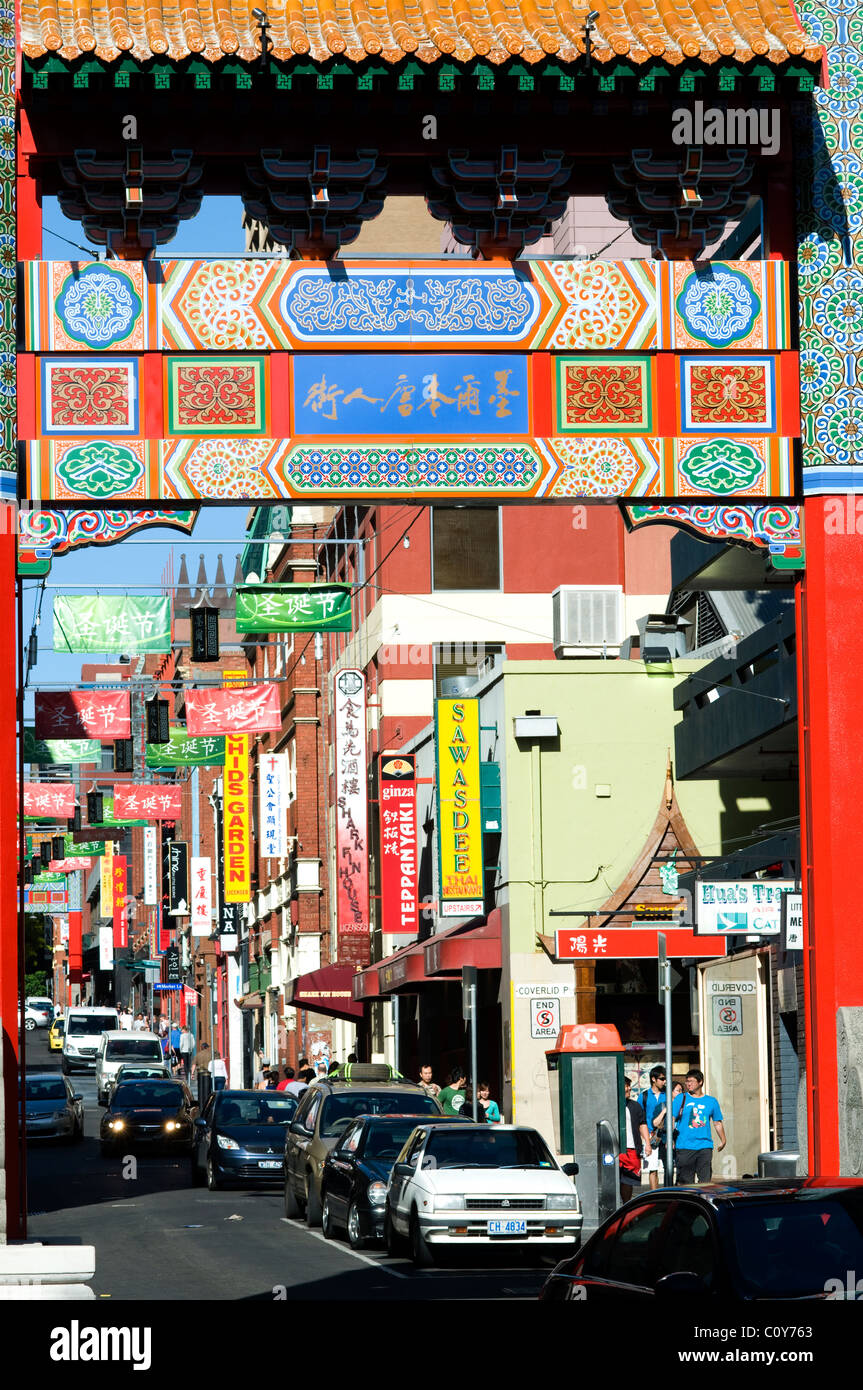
428, 30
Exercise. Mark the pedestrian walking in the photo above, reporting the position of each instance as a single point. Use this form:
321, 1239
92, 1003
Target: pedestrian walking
219, 1072
430, 1087
452, 1097
125, 1016
694, 1112
286, 1079
653, 1104
637, 1143
271, 1079
139, 1026
487, 1106
187, 1050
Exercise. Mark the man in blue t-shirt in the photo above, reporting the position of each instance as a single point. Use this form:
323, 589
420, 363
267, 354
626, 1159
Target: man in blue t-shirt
653, 1103
693, 1112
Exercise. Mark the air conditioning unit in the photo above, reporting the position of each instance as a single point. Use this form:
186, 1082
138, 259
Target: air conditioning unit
587, 621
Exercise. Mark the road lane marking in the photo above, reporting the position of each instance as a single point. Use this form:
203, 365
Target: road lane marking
344, 1249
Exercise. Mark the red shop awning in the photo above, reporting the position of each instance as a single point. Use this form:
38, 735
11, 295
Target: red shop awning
326, 991
366, 984
480, 946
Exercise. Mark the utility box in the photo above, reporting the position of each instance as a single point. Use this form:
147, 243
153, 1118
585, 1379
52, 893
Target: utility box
585, 1077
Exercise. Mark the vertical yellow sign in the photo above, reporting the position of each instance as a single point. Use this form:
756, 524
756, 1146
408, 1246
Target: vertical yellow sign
459, 808
106, 884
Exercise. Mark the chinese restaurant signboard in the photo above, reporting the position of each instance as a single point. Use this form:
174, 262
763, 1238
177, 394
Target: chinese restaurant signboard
352, 862
398, 862
459, 808
118, 880
272, 806
202, 895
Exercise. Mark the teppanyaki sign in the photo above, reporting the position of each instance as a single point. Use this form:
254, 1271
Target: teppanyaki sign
294, 608
398, 818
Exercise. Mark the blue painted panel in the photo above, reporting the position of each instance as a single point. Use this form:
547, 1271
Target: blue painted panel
400, 393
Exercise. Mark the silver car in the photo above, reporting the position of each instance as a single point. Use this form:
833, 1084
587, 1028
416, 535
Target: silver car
52, 1109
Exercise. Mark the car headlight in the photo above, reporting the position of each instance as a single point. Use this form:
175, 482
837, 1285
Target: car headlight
377, 1193
171, 1124
561, 1201
449, 1201
224, 1141
116, 1124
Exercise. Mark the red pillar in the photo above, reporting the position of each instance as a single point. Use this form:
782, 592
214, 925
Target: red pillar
830, 622
10, 948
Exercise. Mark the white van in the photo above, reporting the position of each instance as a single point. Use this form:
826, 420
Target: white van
121, 1048
82, 1037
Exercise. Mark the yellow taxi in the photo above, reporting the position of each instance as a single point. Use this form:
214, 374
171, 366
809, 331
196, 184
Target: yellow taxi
55, 1034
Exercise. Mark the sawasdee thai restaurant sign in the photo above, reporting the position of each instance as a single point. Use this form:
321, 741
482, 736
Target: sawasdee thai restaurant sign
459, 811
352, 859
398, 875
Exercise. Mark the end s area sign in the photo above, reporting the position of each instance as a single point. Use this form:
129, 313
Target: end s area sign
544, 1017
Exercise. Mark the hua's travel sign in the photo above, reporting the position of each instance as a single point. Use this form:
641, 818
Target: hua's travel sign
747, 907
459, 807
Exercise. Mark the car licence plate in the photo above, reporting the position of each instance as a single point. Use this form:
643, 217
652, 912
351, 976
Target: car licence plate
513, 1226
269, 1163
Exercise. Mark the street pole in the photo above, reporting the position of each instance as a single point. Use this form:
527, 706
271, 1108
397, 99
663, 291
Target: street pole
665, 994
473, 1049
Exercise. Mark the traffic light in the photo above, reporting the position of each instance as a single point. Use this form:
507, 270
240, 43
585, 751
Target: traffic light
95, 808
123, 755
205, 634
58, 847
655, 912
158, 730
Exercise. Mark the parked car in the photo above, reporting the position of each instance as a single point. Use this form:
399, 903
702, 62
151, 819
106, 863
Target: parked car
130, 1072
325, 1111
41, 1001
149, 1112
55, 1034
479, 1185
120, 1046
240, 1137
354, 1180
83, 1035
34, 1017
52, 1109
793, 1238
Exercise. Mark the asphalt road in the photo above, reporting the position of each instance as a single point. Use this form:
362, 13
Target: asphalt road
158, 1237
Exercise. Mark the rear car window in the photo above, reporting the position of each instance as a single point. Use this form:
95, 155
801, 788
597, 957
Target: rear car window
340, 1110
145, 1049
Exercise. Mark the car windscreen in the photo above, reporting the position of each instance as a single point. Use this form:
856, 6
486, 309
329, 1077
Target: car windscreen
145, 1048
487, 1148
46, 1090
385, 1142
266, 1109
83, 1025
788, 1247
339, 1110
140, 1074
147, 1094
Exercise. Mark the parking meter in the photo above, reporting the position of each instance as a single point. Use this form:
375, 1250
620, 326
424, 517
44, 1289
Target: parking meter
585, 1076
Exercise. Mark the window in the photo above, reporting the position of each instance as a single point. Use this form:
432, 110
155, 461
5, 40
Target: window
633, 1254
312, 1115
466, 548
688, 1245
341, 1110
453, 659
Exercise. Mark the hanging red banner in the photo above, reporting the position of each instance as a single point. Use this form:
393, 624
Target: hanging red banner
102, 714
75, 948
142, 802
118, 881
251, 711
352, 860
49, 799
398, 862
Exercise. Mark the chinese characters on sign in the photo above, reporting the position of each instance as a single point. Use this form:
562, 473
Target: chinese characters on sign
202, 895
271, 806
151, 886
631, 943
147, 802
49, 751
83, 623
251, 711
352, 863
100, 714
294, 608
459, 812
43, 799
398, 862
392, 393
106, 948
238, 883
182, 751
118, 881
106, 903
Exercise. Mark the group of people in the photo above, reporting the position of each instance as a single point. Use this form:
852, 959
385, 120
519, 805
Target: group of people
456, 1098
295, 1081
692, 1113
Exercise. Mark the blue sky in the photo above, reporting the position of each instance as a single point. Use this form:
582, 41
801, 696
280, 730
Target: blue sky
136, 565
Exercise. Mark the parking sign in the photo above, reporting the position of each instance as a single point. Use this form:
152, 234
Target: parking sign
544, 1018
727, 1015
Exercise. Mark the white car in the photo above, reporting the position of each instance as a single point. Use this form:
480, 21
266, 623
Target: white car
33, 1017
479, 1185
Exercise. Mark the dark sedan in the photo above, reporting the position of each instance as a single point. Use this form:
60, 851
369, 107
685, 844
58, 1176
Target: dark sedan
355, 1173
52, 1109
149, 1112
796, 1238
241, 1137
